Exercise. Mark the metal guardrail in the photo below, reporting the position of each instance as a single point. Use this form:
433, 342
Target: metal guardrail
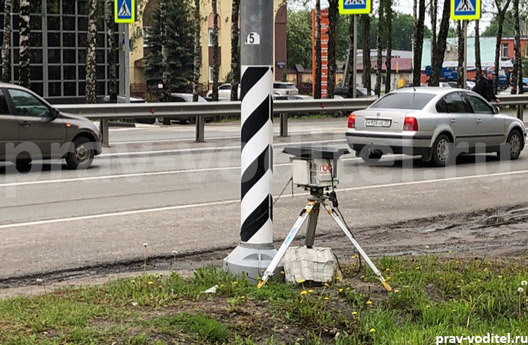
106, 112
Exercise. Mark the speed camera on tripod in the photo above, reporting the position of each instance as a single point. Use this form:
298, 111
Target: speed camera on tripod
315, 167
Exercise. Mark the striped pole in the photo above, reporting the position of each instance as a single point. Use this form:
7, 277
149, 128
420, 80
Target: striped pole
256, 250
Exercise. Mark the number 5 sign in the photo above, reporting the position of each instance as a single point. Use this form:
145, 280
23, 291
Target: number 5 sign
253, 39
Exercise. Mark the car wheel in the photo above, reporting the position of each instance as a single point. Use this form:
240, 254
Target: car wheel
146, 121
371, 156
513, 146
23, 165
443, 151
82, 155
165, 121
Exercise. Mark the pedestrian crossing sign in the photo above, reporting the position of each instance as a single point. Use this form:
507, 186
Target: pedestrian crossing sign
355, 6
125, 11
465, 9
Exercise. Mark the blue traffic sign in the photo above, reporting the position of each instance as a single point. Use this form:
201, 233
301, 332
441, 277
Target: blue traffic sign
465, 9
355, 6
125, 11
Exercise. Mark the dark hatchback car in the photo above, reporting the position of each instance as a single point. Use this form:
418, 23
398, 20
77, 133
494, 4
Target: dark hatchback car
31, 129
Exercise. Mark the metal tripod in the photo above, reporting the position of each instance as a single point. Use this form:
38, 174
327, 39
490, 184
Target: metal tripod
311, 212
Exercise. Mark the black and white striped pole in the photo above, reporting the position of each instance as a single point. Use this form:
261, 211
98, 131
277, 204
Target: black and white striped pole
256, 250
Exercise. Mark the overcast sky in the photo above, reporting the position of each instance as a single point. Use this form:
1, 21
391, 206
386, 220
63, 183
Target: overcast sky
406, 6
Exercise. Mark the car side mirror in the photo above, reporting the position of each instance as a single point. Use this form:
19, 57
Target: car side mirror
54, 113
495, 110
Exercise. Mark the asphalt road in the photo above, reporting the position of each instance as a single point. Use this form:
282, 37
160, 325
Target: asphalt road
155, 186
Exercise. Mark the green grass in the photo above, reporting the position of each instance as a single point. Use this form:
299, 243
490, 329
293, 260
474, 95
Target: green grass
431, 296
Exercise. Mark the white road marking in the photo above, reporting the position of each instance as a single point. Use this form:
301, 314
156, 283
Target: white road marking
206, 149
228, 202
124, 176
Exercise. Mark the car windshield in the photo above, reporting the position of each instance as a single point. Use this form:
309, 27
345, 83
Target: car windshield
404, 100
284, 86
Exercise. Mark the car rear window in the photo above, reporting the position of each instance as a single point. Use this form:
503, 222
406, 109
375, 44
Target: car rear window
405, 100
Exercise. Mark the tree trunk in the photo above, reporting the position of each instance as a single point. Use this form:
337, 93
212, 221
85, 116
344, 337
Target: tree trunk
197, 51
6, 44
379, 58
24, 74
367, 83
388, 59
91, 84
235, 50
501, 13
332, 43
112, 51
433, 13
517, 71
318, 60
216, 62
478, 61
350, 92
418, 43
441, 44
460, 69
165, 59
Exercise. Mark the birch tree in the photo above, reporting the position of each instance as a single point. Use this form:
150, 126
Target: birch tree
502, 6
235, 50
388, 59
197, 51
24, 71
418, 36
460, 69
91, 82
440, 45
112, 51
478, 59
318, 59
165, 59
6, 43
216, 58
379, 61
352, 58
517, 68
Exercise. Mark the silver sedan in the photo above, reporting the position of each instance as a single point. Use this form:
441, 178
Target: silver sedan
435, 123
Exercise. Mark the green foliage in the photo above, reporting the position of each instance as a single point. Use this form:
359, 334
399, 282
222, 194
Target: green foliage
178, 23
508, 29
208, 330
299, 31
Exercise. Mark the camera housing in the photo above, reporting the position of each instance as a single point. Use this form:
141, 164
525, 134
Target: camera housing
315, 166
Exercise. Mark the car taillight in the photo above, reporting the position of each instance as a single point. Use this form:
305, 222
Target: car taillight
352, 121
410, 124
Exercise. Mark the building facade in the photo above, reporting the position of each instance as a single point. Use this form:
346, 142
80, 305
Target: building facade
58, 49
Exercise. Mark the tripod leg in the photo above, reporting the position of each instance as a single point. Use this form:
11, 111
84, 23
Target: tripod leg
359, 249
286, 244
312, 225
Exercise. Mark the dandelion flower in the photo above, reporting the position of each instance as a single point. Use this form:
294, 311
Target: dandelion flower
150, 283
372, 330
304, 292
326, 298
396, 291
520, 290
524, 283
340, 290
235, 283
310, 291
302, 281
326, 284
354, 313
500, 277
369, 302
282, 272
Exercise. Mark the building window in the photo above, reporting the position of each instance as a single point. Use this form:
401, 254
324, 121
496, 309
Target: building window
505, 50
210, 37
210, 74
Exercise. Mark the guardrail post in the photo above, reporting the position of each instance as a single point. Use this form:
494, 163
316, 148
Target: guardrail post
284, 124
103, 127
200, 129
520, 112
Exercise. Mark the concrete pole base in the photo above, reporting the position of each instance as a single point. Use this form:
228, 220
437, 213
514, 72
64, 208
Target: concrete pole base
252, 260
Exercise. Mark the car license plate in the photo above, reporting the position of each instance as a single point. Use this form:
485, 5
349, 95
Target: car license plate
378, 123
